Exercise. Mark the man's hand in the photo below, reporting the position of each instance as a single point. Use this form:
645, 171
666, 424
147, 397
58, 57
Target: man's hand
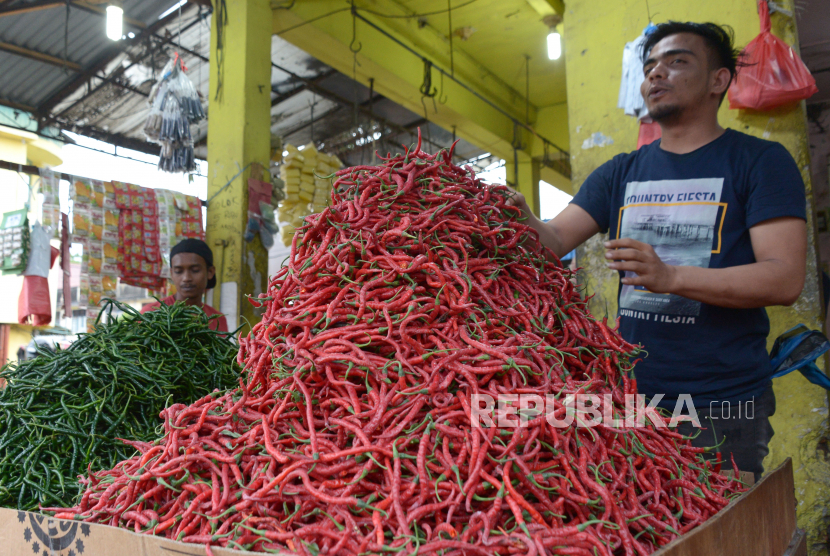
562, 234
636, 256
518, 200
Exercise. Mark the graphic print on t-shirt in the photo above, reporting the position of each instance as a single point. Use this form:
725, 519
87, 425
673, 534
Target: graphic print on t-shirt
682, 220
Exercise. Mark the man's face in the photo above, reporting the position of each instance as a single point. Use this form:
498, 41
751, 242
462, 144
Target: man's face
677, 76
191, 275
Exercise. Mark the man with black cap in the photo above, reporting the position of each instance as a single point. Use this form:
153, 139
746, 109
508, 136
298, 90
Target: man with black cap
192, 271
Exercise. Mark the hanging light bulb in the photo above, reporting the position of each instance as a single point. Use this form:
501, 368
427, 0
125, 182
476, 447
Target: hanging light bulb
554, 45
115, 22
554, 40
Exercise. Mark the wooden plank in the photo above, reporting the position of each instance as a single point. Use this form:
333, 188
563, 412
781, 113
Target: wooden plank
759, 523
31, 7
798, 545
39, 56
17, 106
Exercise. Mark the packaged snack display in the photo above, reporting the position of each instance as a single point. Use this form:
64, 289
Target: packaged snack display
51, 208
14, 232
151, 221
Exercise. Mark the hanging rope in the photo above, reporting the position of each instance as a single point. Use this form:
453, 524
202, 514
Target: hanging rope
355, 47
179, 42
311, 106
66, 40
442, 98
452, 60
371, 114
516, 146
352, 46
221, 22
200, 50
527, 89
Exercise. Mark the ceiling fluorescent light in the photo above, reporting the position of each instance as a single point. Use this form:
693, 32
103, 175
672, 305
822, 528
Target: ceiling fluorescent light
115, 22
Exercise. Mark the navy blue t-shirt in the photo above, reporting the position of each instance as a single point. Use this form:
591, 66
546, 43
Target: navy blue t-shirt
695, 209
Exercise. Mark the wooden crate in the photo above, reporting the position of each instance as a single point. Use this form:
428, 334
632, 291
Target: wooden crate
759, 523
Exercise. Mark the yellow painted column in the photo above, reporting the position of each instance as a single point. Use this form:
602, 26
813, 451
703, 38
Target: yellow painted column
597, 30
239, 135
325, 30
528, 180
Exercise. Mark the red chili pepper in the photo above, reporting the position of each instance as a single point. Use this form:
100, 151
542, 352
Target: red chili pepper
352, 430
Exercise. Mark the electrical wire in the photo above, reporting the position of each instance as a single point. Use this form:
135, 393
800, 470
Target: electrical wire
72, 143
450, 34
377, 14
437, 12
66, 39
312, 20
527, 89
462, 84
221, 21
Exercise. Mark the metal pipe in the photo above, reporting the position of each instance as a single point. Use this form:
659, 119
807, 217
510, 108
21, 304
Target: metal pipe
464, 85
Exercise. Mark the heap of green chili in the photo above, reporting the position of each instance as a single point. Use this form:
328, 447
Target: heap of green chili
64, 411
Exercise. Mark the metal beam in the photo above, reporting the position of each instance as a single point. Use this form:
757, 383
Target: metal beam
282, 97
39, 5
39, 56
169, 40
341, 105
334, 97
111, 53
113, 138
304, 125
128, 87
121, 70
98, 10
17, 105
548, 7
35, 6
487, 112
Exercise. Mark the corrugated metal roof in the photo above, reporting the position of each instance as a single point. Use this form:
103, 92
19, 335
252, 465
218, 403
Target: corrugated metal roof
115, 100
31, 82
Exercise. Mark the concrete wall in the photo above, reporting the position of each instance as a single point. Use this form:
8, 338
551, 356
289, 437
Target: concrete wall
595, 33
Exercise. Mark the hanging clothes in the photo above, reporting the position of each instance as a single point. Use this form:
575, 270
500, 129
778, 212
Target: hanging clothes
34, 304
65, 261
630, 98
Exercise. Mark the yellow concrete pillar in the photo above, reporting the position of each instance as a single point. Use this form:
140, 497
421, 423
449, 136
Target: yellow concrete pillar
238, 136
528, 180
597, 30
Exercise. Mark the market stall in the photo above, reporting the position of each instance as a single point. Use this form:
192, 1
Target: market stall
421, 374
358, 403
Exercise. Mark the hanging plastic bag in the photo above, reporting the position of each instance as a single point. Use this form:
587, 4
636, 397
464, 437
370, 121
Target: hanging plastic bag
39, 253
175, 106
34, 305
773, 74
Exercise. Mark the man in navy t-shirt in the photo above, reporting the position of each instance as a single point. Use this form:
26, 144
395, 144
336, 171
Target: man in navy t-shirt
707, 226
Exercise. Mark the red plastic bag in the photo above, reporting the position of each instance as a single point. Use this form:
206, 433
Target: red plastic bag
649, 133
774, 74
34, 305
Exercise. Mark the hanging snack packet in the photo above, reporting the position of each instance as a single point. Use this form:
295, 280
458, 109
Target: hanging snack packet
82, 222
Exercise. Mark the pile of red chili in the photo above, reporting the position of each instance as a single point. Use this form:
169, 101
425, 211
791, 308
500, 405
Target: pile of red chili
352, 431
